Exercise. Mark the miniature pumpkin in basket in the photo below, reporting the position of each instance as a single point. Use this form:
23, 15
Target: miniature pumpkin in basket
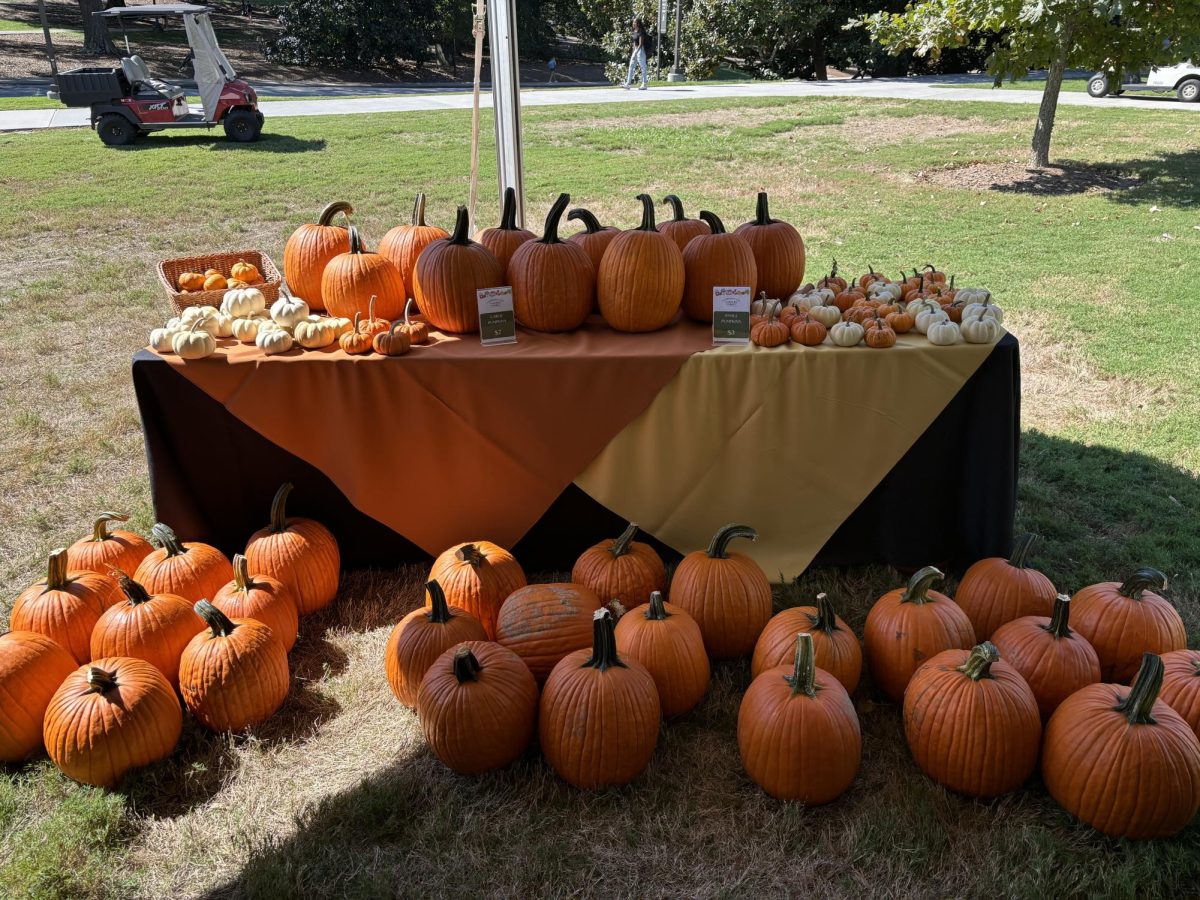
640, 282
191, 281
621, 569
448, 274
778, 251
404, 243
478, 576
32, 666
301, 553
104, 550
712, 259
668, 642
155, 628
503, 240
352, 278
310, 248
553, 281
246, 273
679, 227
65, 606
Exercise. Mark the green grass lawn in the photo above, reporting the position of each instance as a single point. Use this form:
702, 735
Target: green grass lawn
336, 795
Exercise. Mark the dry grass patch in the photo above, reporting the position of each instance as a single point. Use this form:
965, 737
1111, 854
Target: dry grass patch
1016, 177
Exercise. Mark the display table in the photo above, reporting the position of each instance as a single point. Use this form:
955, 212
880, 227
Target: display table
836, 455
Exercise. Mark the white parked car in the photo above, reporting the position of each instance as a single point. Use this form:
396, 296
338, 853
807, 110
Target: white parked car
1183, 79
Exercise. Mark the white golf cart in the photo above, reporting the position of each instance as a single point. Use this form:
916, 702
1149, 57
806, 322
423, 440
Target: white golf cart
1183, 79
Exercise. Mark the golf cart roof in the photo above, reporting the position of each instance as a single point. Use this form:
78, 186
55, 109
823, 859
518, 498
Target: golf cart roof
151, 11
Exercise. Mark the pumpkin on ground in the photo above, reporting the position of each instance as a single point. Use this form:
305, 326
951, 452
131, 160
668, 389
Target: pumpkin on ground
477, 577
1123, 620
910, 625
834, 643
234, 673
353, 278
997, 590
797, 731
599, 715
65, 606
309, 250
622, 569
448, 274
404, 243
109, 716
503, 240
301, 553
191, 570
421, 637
668, 642
679, 227
972, 722
154, 628
553, 281
595, 238
715, 259
31, 668
640, 282
260, 597
543, 623
1181, 685
726, 593
1122, 760
778, 251
1054, 660
104, 550
478, 706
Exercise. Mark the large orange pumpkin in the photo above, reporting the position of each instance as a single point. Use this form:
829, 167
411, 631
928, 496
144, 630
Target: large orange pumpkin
594, 238
553, 281
726, 593
353, 278
421, 637
622, 569
478, 707
834, 643
31, 668
66, 606
910, 625
640, 282
503, 240
104, 550
301, 553
154, 628
193, 571
1126, 619
309, 250
477, 577
668, 642
599, 716
679, 227
778, 251
1181, 685
260, 597
1122, 760
997, 590
797, 731
542, 623
715, 259
404, 243
109, 716
448, 274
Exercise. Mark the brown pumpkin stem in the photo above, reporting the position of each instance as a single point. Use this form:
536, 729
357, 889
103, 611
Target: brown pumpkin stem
803, 679
462, 223
715, 225
508, 211
333, 209
590, 223
676, 207
826, 618
99, 680
371, 308
469, 553
466, 665
554, 217
1021, 550
56, 570
218, 623
762, 213
647, 214
167, 539
100, 526
134, 592
356, 241
1139, 702
1143, 580
656, 611
418, 213
279, 504
1060, 617
241, 573
439, 611
621, 545
979, 663
604, 642
918, 586
719, 545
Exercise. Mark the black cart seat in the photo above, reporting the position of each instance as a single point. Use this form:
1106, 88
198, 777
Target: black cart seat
138, 74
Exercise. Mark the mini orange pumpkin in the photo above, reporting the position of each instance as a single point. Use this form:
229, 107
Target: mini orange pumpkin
640, 282
246, 273
191, 281
215, 282
417, 331
679, 227
807, 330
356, 340
503, 240
404, 243
553, 281
448, 274
880, 335
371, 325
392, 342
770, 332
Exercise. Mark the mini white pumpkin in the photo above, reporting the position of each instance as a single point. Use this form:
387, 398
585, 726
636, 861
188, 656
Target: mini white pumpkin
980, 330
972, 295
244, 330
882, 289
928, 317
241, 302
314, 335
922, 304
195, 343
224, 325
261, 314
943, 332
160, 339
340, 325
764, 306
192, 313
846, 334
273, 340
985, 310
827, 314
174, 323
289, 310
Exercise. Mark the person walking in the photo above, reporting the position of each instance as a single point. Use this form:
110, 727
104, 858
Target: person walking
638, 56
552, 65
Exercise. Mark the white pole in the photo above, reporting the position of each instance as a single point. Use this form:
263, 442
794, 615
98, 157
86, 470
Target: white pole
478, 28
506, 99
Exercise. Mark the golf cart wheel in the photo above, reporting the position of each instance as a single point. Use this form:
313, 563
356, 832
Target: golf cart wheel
1189, 91
1098, 86
116, 131
243, 125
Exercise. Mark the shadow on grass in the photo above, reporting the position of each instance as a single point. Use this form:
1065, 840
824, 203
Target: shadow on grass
215, 140
1167, 179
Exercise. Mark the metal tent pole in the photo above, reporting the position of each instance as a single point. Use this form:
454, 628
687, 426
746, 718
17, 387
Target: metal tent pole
506, 99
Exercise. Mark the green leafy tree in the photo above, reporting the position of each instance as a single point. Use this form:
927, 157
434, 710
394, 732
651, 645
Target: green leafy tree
1055, 34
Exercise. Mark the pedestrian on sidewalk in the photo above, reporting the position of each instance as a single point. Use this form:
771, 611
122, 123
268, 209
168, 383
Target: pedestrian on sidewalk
638, 56
552, 65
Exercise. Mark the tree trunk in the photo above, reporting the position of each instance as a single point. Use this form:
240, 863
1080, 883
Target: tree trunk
95, 34
820, 68
1039, 156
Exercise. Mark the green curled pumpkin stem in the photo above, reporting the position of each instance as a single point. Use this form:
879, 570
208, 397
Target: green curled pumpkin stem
418, 213
718, 547
469, 553
647, 223
1021, 550
803, 679
1143, 580
553, 218
439, 609
1060, 618
357, 245
218, 623
167, 539
604, 642
715, 225
656, 611
676, 207
621, 545
826, 617
56, 570
279, 503
918, 586
979, 663
100, 526
134, 592
1139, 702
462, 224
508, 211
242, 580
590, 223
99, 680
325, 220
466, 665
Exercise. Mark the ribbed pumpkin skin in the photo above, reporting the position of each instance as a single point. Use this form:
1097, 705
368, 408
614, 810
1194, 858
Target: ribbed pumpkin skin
778, 252
1181, 685
482, 724
351, 279
232, 682
837, 652
542, 623
629, 578
1054, 668
418, 640
478, 583
640, 282
156, 630
1122, 629
445, 280
979, 738
672, 650
67, 611
595, 243
1134, 781
682, 231
715, 260
264, 599
309, 249
123, 550
195, 574
302, 554
31, 668
95, 737
730, 599
554, 285
403, 244
994, 591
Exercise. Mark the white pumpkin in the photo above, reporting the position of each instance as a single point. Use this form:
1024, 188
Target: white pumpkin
273, 340
922, 304
195, 343
160, 339
985, 310
241, 302
289, 311
980, 330
312, 335
827, 314
927, 317
340, 325
846, 334
972, 295
174, 323
224, 325
885, 289
244, 330
943, 332
192, 313
764, 306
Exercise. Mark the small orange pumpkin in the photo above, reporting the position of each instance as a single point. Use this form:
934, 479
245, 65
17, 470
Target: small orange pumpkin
245, 272
191, 281
770, 332
392, 342
880, 335
356, 340
417, 331
216, 282
371, 325
807, 330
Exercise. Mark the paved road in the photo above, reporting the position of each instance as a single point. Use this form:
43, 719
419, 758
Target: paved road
901, 88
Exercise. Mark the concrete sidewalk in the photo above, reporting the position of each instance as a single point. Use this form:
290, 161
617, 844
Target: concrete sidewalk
902, 89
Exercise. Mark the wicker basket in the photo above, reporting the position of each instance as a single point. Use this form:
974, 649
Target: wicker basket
169, 271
